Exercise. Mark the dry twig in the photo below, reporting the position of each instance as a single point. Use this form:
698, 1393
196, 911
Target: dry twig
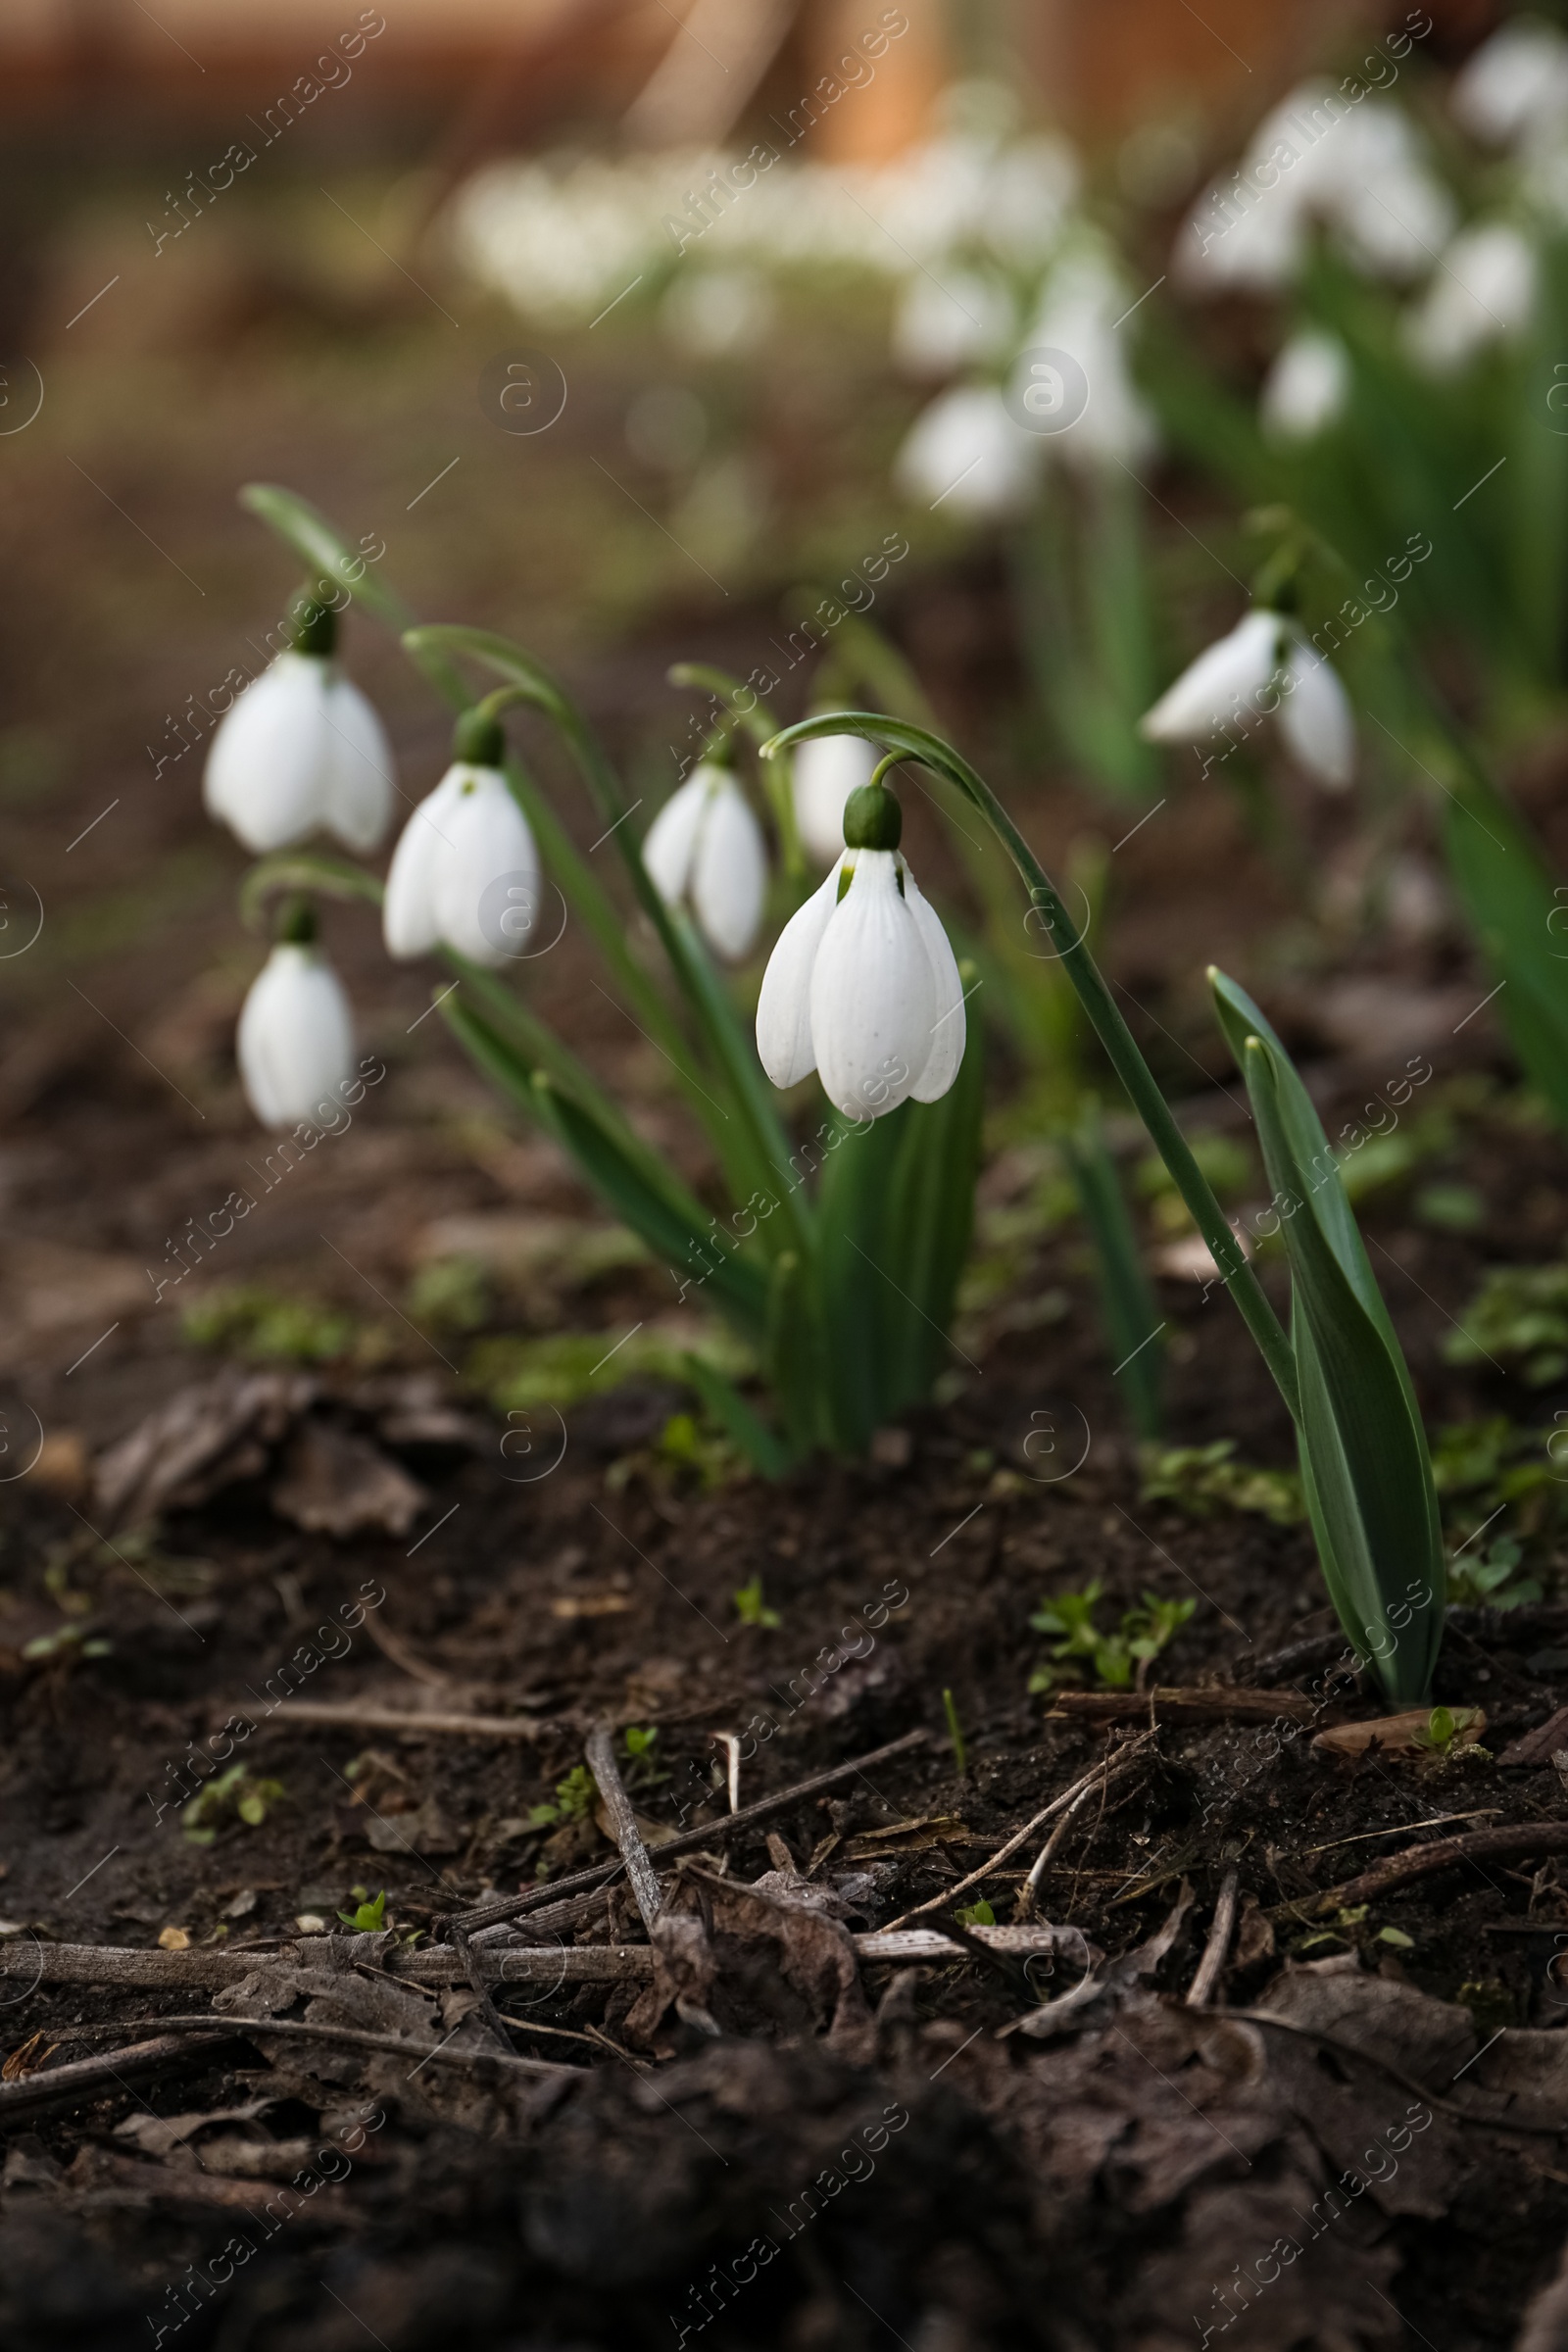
601, 1753
1219, 1944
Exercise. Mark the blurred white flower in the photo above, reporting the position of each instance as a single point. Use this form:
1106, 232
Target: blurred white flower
296, 1036
944, 320
1086, 300
705, 845
965, 453
1483, 292
1354, 167
299, 752
716, 312
444, 886
1267, 666
1306, 387
863, 988
827, 769
1514, 84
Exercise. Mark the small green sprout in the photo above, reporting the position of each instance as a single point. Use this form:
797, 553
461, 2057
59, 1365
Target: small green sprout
368, 1918
1397, 1938
976, 1914
752, 1610
232, 1792
638, 1744
66, 1641
1443, 1732
1486, 1580
575, 1799
1120, 1660
1204, 1480
954, 1733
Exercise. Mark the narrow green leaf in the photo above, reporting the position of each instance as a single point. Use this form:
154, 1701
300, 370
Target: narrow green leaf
929, 1221
1132, 1318
1510, 896
1364, 1458
763, 1447
635, 1184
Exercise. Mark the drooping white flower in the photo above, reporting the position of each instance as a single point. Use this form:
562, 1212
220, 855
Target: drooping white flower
863, 985
827, 769
1483, 292
1354, 167
1267, 666
296, 1036
1306, 388
1514, 83
706, 847
465, 872
1085, 302
301, 751
965, 454
1315, 716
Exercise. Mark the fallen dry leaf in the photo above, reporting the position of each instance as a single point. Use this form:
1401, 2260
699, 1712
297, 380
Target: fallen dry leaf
173, 1939
335, 1482
1406, 1734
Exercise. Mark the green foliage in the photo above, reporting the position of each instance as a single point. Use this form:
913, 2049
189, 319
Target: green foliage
367, 1918
563, 1368
452, 1294
1366, 1473
976, 1914
1131, 1320
1444, 1729
257, 1324
752, 1610
1489, 1580
235, 1795
1116, 1658
950, 1707
1481, 1466
1518, 1317
69, 1640
1204, 1481
575, 1799
639, 1747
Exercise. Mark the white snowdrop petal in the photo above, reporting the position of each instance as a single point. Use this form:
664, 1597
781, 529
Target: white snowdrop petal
296, 1038
487, 838
408, 910
1209, 690
965, 453
1306, 388
784, 1008
949, 1021
671, 841
874, 994
1315, 718
358, 769
729, 873
266, 773
827, 769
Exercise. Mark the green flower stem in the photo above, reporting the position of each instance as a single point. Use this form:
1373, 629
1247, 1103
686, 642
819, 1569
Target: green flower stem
1121, 1047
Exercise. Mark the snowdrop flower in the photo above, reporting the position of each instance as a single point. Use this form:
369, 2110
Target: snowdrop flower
827, 769
964, 451
1517, 83
863, 985
1085, 301
296, 1033
705, 845
1353, 167
1483, 292
1267, 666
1306, 388
465, 873
301, 750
